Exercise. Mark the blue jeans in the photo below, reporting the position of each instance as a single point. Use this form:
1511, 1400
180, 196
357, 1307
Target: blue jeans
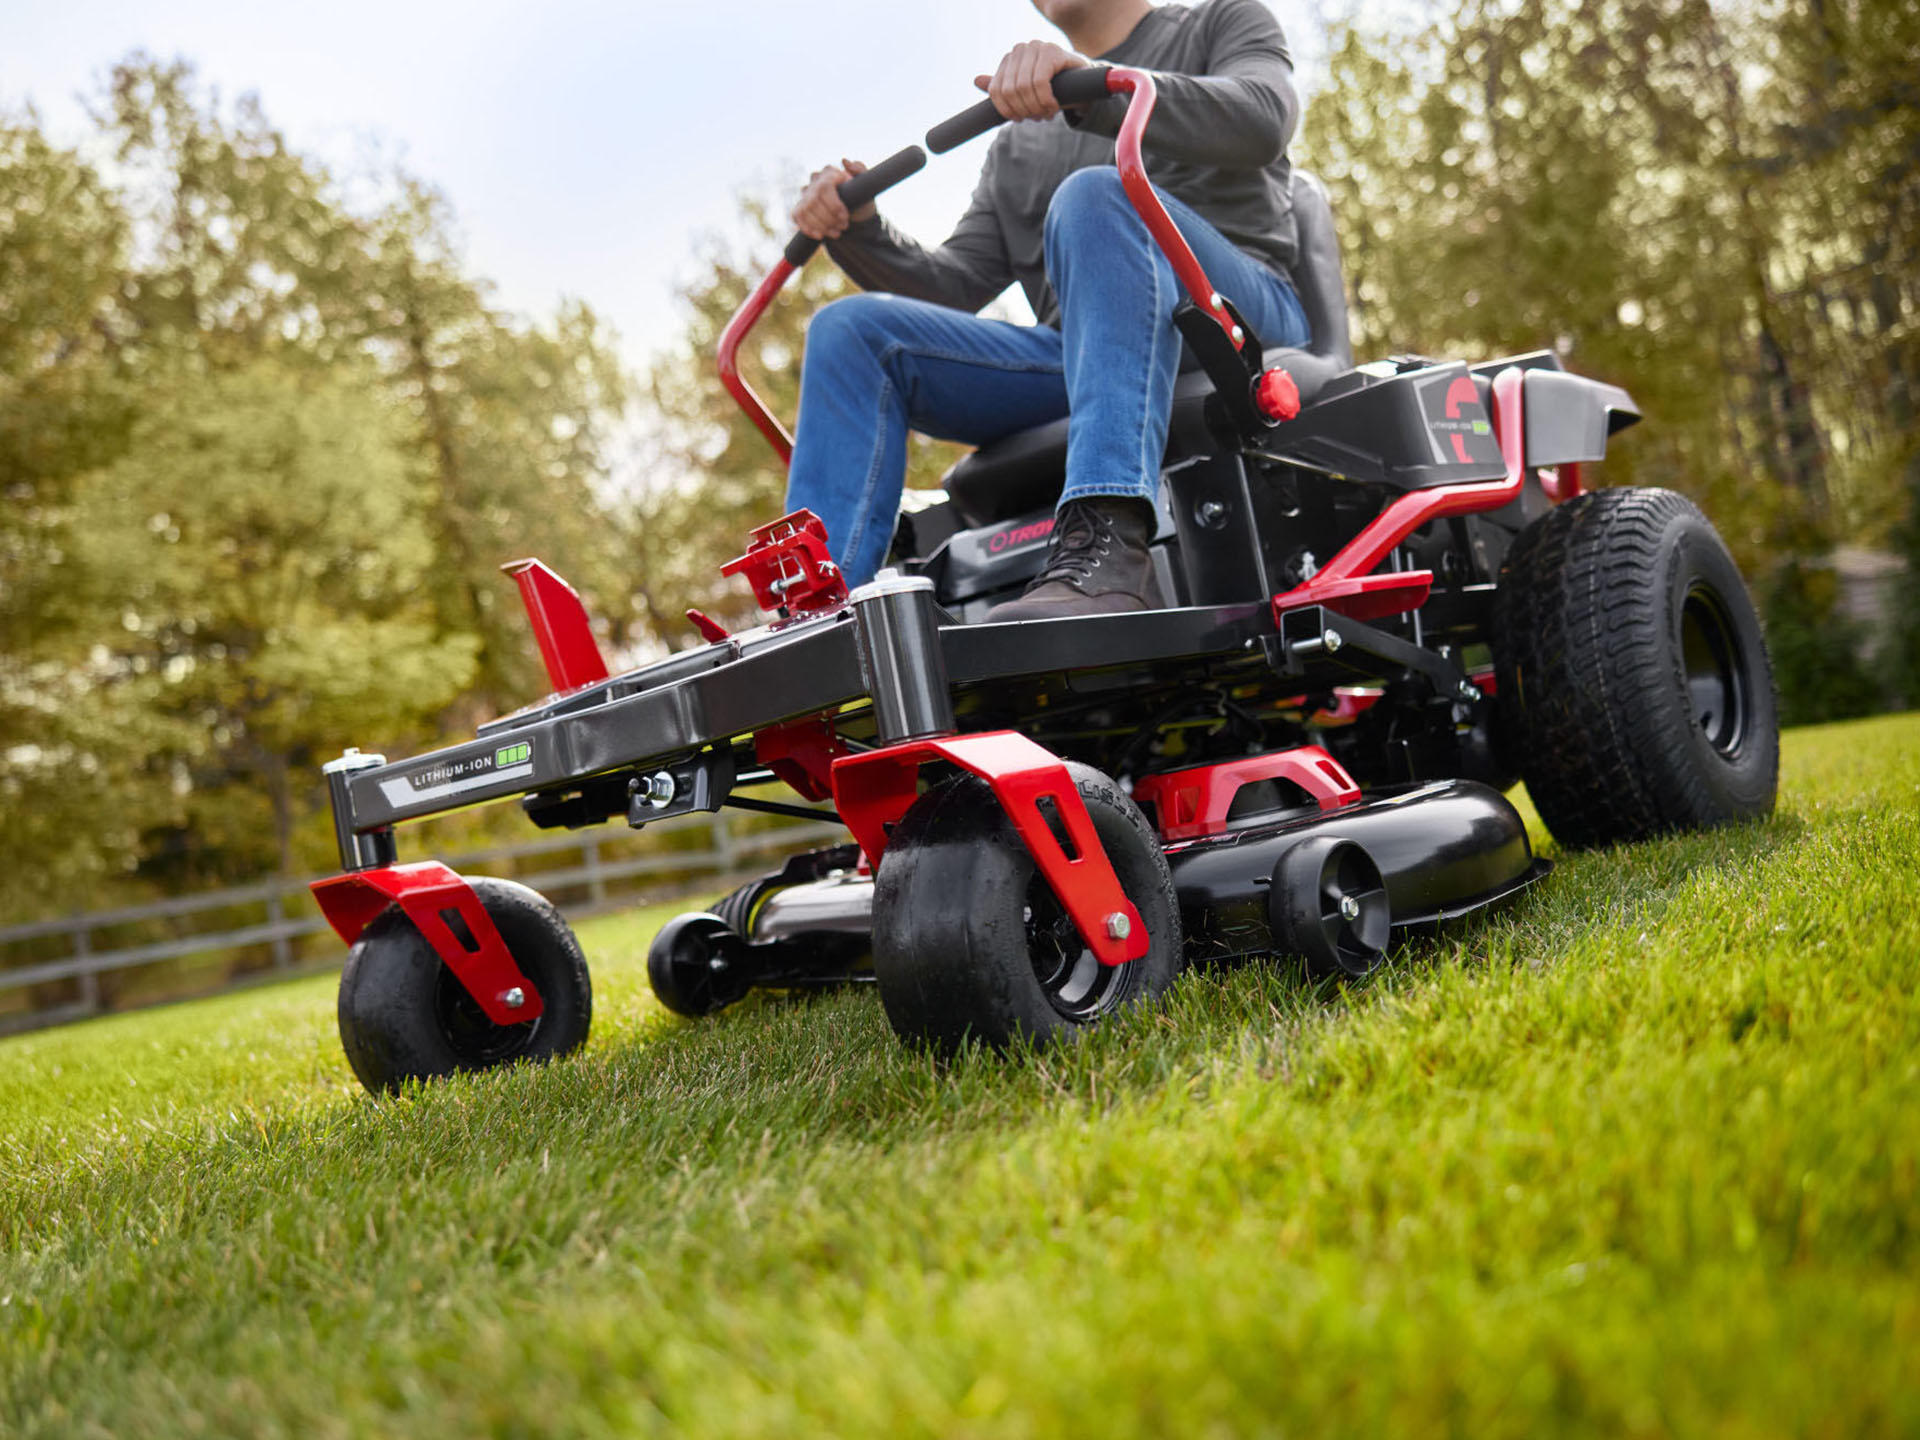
879, 365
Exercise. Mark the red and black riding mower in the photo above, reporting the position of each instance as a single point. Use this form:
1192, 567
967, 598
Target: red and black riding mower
1392, 599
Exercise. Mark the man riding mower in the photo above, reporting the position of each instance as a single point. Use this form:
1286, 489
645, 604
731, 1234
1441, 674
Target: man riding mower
1218, 646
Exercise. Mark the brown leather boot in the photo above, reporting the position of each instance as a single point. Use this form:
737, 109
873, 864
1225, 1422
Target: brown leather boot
1097, 564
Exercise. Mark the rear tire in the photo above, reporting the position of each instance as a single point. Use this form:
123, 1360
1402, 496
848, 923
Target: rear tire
405, 1016
1633, 678
969, 939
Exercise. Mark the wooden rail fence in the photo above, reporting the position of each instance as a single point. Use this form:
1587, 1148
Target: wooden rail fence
584, 873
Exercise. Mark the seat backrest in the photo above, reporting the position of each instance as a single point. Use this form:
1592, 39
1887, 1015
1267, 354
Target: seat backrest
1316, 272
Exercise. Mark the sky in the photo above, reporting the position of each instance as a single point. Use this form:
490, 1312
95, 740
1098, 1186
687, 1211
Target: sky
586, 146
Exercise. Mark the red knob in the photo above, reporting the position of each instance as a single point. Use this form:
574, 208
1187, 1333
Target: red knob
1276, 395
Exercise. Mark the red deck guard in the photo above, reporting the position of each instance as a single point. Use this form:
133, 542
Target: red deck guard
429, 892
872, 791
1346, 584
1192, 803
560, 624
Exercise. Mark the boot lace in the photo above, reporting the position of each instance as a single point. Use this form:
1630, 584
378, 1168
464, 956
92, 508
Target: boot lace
1082, 538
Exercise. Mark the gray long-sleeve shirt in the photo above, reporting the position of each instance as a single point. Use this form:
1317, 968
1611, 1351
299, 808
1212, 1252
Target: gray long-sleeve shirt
1218, 141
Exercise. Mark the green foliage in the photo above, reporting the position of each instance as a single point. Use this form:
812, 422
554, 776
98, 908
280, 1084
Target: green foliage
257, 622
1815, 647
263, 453
1638, 1157
1706, 204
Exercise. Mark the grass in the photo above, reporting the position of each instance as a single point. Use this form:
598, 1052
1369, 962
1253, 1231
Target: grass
1640, 1156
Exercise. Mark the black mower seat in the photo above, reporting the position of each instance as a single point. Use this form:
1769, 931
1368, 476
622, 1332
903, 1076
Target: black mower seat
1023, 472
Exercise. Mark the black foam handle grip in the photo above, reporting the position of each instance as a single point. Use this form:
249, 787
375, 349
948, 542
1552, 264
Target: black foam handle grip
956, 130
1080, 86
861, 190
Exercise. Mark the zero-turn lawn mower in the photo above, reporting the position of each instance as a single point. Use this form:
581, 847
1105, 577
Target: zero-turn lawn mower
1392, 599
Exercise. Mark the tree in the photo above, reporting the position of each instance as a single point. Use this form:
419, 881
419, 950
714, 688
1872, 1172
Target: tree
257, 624
263, 453
63, 241
1641, 184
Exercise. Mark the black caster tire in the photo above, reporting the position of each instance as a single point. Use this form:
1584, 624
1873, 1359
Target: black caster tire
681, 968
405, 1016
969, 940
1633, 677
1328, 904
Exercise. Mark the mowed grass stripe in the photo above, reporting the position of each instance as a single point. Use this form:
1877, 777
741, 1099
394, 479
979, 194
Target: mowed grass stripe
1638, 1156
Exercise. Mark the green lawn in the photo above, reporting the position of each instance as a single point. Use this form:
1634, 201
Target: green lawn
1641, 1156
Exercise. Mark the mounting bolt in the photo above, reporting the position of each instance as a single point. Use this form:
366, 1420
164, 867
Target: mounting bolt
659, 790
716, 965
1239, 335
514, 998
1210, 513
1469, 691
1332, 639
1119, 927
1349, 908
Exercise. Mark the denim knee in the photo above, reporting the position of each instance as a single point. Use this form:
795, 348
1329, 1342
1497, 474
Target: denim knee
1093, 192
856, 322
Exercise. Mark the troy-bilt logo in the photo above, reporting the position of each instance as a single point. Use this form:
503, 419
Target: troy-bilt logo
1016, 536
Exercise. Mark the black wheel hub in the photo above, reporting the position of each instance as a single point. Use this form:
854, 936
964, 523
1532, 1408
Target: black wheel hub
1075, 982
475, 1038
1717, 683
1355, 916
1329, 903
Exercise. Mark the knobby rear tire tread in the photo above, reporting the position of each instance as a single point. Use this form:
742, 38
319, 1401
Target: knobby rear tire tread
1592, 683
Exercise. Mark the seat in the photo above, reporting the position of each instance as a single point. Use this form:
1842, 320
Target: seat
1023, 472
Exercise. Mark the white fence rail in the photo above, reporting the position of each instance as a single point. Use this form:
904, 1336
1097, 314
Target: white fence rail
68, 986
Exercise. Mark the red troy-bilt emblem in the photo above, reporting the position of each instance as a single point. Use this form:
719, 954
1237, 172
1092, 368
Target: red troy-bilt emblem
1016, 537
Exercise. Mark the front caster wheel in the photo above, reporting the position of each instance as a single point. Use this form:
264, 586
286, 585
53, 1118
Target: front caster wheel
968, 938
405, 1016
1329, 904
692, 967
